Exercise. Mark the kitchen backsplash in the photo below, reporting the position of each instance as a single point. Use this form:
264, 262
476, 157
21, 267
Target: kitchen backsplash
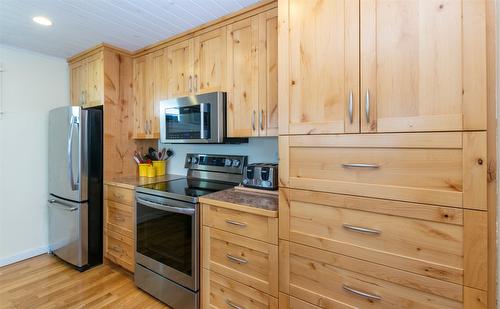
262, 149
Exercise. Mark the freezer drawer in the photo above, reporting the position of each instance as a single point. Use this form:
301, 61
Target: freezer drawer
68, 230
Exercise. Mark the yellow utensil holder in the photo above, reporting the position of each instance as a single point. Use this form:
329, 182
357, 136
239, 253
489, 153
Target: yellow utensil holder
151, 171
159, 167
143, 169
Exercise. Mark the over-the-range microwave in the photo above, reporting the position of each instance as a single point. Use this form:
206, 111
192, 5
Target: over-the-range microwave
194, 119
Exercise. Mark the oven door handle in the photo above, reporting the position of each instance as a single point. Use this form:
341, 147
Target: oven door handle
180, 210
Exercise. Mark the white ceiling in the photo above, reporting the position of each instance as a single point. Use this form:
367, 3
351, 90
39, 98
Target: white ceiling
81, 24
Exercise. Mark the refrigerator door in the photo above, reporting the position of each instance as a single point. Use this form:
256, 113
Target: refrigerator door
68, 230
68, 153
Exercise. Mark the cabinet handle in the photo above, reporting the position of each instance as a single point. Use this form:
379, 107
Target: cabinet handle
261, 119
350, 107
253, 120
367, 105
360, 165
360, 229
228, 221
360, 293
233, 305
150, 126
190, 83
235, 259
81, 98
196, 83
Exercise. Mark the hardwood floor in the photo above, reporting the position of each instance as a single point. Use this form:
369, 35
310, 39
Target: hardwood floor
47, 282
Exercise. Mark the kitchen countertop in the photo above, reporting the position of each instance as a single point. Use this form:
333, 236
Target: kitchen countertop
130, 182
254, 202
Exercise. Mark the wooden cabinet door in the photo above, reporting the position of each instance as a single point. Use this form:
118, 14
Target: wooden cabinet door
157, 78
320, 40
268, 73
210, 61
94, 95
422, 65
78, 77
243, 76
141, 97
180, 69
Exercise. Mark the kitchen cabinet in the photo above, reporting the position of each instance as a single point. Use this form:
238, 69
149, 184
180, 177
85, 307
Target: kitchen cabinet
252, 76
416, 69
210, 61
150, 88
180, 62
87, 81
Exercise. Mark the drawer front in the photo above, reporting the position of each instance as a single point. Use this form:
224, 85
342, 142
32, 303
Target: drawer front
248, 261
423, 239
120, 250
221, 292
326, 280
120, 195
241, 223
119, 218
444, 169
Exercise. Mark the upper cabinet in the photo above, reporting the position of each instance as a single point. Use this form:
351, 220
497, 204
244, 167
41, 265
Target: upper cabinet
87, 81
180, 69
252, 75
382, 66
210, 61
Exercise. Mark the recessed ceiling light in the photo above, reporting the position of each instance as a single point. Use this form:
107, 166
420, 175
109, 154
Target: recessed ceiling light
42, 20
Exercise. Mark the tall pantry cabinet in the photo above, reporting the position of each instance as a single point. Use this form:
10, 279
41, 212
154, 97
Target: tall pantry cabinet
396, 218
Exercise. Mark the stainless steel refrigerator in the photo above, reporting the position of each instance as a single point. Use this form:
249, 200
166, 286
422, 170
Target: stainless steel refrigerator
75, 185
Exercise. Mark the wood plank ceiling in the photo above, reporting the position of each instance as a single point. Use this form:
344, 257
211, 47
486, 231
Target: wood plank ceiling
81, 24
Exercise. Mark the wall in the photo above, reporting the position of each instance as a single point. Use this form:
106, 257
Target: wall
257, 149
32, 84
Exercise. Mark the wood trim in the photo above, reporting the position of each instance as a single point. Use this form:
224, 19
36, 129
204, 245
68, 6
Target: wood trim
283, 67
474, 298
474, 170
248, 209
96, 49
284, 162
284, 214
247, 12
284, 266
474, 74
475, 249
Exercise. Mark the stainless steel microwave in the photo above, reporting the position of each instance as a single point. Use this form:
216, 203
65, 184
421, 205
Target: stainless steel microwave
198, 119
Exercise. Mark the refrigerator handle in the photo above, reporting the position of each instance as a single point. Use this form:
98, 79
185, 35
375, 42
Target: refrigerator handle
74, 185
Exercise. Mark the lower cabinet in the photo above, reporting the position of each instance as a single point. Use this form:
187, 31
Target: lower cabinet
119, 226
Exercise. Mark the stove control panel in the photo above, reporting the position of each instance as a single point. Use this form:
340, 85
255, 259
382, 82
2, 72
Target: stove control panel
216, 163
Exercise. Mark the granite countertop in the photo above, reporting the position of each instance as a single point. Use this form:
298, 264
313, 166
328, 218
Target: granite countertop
251, 201
130, 182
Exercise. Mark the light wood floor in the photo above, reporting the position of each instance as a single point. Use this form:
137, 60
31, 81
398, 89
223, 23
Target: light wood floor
47, 282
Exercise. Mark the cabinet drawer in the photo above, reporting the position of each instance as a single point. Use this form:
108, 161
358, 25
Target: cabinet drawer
120, 250
119, 218
328, 280
248, 261
241, 223
439, 168
222, 292
419, 238
288, 302
120, 195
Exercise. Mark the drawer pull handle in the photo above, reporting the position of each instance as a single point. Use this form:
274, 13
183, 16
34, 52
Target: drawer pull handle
228, 221
233, 305
116, 249
235, 259
360, 293
361, 165
360, 229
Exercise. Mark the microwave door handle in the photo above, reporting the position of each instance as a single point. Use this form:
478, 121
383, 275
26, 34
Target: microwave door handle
73, 184
179, 210
202, 121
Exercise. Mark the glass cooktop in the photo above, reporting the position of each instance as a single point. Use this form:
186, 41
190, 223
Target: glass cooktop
186, 187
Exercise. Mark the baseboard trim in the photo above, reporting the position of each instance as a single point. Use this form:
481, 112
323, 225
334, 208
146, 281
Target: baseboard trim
23, 255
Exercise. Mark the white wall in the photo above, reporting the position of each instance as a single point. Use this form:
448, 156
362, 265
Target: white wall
257, 149
32, 84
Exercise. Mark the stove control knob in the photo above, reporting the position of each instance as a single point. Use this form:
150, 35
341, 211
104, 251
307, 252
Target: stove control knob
194, 160
228, 162
236, 163
188, 160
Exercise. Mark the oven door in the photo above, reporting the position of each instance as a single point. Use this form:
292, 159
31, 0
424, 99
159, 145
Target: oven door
167, 238
194, 119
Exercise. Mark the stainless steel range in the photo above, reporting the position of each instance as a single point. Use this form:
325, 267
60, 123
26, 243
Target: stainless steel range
168, 230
